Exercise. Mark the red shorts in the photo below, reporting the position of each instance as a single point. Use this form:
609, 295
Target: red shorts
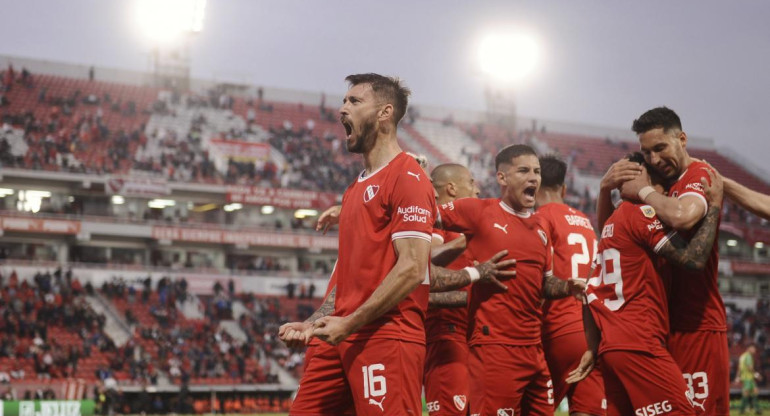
446, 378
642, 384
510, 380
373, 377
704, 360
563, 355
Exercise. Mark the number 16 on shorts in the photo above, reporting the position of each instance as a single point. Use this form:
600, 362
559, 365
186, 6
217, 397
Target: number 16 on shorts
374, 382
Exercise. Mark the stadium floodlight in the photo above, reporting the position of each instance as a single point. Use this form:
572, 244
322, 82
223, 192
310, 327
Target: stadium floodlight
31, 200
759, 245
732, 243
508, 57
118, 200
267, 209
164, 21
232, 207
5, 192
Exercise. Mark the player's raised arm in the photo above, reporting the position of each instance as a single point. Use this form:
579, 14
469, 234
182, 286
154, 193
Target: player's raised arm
694, 254
757, 203
620, 172
679, 213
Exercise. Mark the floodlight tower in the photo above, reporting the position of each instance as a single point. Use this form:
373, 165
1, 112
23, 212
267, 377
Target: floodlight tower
506, 60
171, 25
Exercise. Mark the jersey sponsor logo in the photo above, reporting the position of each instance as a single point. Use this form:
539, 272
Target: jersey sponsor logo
608, 230
498, 226
449, 206
648, 211
578, 221
658, 408
460, 401
656, 225
414, 214
370, 192
416, 175
433, 406
378, 404
543, 237
695, 186
505, 412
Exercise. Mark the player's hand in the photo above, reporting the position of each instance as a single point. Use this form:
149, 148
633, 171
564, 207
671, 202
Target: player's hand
493, 268
587, 363
629, 190
332, 329
329, 218
296, 334
576, 286
713, 187
620, 171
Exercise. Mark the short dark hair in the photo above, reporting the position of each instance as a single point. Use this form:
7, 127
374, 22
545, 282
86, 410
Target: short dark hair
637, 157
387, 89
512, 152
659, 117
553, 171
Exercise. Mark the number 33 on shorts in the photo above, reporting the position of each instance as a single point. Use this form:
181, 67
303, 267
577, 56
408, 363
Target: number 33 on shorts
698, 387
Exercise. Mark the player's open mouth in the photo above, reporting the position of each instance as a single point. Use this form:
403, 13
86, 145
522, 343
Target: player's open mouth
530, 191
348, 127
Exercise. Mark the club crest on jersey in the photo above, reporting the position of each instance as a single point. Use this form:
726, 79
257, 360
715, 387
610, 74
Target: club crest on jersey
460, 402
543, 237
648, 211
370, 192
505, 412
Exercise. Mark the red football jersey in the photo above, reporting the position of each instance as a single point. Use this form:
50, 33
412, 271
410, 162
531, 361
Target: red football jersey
626, 294
696, 304
513, 317
396, 201
449, 323
574, 248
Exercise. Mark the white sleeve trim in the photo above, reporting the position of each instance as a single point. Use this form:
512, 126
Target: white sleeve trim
663, 241
411, 234
702, 198
438, 237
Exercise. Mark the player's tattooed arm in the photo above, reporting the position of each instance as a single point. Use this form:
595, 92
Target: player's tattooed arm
326, 308
695, 254
453, 299
555, 288
444, 280
443, 254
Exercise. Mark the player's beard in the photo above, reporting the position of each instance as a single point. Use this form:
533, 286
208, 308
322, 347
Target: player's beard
366, 138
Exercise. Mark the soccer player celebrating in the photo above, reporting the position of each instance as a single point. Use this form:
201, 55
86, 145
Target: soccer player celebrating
626, 318
379, 301
698, 340
574, 246
446, 358
508, 371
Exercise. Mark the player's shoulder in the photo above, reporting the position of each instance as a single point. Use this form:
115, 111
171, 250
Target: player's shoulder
695, 170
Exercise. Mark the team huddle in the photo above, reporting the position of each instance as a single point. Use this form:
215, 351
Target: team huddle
505, 306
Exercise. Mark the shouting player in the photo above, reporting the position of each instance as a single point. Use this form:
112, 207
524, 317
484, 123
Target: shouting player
379, 301
698, 340
508, 371
627, 315
574, 246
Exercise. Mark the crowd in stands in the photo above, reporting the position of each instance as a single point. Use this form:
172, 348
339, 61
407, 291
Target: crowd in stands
47, 327
747, 327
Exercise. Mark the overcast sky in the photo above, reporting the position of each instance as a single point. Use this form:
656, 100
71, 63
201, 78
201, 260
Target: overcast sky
603, 62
